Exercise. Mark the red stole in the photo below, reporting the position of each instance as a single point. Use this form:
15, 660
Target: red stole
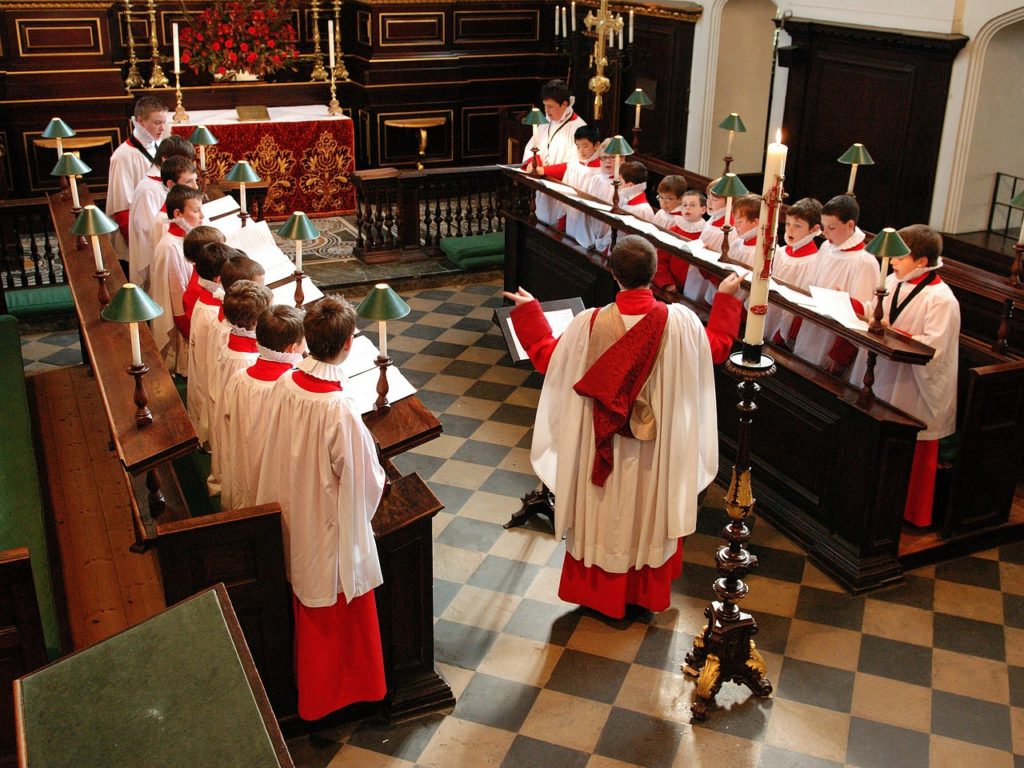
683, 233
267, 370
313, 384
175, 230
641, 198
238, 343
615, 379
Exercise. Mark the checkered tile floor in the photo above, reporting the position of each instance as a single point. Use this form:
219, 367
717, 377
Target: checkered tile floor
930, 672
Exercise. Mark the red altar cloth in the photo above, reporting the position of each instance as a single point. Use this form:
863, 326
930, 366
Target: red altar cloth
305, 156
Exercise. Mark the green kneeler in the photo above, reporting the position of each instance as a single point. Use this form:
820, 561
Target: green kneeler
476, 251
45, 300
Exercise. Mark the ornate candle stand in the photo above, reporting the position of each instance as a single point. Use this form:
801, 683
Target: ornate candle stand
143, 416
601, 24
134, 79
180, 115
319, 74
340, 72
157, 78
726, 650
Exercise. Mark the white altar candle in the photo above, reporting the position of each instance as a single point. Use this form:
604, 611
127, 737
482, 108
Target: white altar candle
565, 27
330, 43
853, 178
74, 191
631, 27
558, 12
133, 331
774, 170
383, 338
573, 15
611, 37
97, 254
177, 50
621, 32
298, 255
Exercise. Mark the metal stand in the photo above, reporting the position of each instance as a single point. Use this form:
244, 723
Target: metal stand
180, 115
875, 326
319, 74
134, 79
636, 137
725, 650
143, 416
333, 107
381, 404
538, 502
157, 78
103, 294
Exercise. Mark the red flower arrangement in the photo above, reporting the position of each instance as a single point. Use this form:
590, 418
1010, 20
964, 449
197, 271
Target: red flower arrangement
240, 36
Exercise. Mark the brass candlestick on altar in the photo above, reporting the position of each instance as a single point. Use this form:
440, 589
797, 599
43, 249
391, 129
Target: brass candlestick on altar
157, 78
319, 74
1018, 248
134, 79
180, 115
338, 70
604, 24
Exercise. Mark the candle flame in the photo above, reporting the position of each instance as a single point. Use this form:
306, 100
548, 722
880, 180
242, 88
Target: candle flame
778, 135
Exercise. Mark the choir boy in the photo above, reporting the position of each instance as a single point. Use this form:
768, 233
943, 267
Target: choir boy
793, 265
279, 342
681, 213
698, 282
576, 173
320, 463
746, 214
632, 199
205, 282
554, 140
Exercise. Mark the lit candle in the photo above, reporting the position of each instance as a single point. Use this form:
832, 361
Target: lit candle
241, 197
96, 253
631, 27
621, 32
565, 28
177, 50
383, 338
853, 178
573, 15
558, 12
330, 43
767, 239
202, 157
74, 191
133, 331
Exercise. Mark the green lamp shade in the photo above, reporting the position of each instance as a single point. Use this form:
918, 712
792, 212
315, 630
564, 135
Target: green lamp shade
202, 135
856, 155
131, 305
93, 221
639, 97
535, 117
887, 244
382, 303
729, 186
618, 146
1018, 200
69, 165
243, 173
733, 123
299, 227
57, 129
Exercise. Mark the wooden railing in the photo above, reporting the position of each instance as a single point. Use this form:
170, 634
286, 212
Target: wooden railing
29, 251
402, 215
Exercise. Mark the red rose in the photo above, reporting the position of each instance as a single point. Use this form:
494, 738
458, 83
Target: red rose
215, 46
229, 43
233, 57
271, 43
252, 30
221, 70
243, 47
251, 58
185, 58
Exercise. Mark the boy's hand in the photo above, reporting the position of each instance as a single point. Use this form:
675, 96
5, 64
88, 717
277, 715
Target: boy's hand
518, 298
730, 285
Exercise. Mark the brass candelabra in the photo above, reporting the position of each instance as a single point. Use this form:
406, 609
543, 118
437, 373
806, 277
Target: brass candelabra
319, 74
157, 78
134, 79
605, 25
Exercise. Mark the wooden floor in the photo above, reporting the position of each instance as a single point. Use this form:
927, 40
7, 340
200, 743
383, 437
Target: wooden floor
107, 587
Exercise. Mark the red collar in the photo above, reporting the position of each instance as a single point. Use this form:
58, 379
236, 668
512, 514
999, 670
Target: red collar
163, 209
935, 280
635, 301
858, 247
641, 198
717, 215
675, 213
752, 240
175, 230
594, 162
238, 343
154, 178
203, 296
807, 249
313, 384
267, 370
193, 279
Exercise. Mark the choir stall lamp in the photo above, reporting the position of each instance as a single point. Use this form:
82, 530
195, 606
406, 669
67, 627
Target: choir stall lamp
729, 187
202, 138
58, 130
855, 156
382, 304
886, 245
298, 228
91, 223
70, 166
131, 305
638, 99
1018, 248
535, 118
733, 124
243, 174
618, 148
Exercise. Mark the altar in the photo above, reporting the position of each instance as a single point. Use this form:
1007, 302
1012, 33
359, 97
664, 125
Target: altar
305, 156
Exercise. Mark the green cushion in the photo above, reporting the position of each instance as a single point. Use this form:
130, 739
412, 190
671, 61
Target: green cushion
482, 262
45, 300
21, 503
461, 249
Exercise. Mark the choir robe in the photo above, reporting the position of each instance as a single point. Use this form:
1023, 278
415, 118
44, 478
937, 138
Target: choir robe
128, 165
237, 355
320, 463
711, 237
793, 265
697, 282
246, 400
557, 144
574, 173
593, 233
671, 269
847, 267
169, 276
160, 225
149, 196
205, 318
741, 248
927, 392
624, 538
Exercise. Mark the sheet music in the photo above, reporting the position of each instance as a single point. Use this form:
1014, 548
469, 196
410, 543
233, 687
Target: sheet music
285, 293
222, 206
595, 205
564, 189
836, 304
361, 358
645, 226
363, 388
794, 296
558, 319
258, 244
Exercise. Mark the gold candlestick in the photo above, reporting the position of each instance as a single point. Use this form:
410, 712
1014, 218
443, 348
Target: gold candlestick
339, 58
180, 115
603, 23
333, 108
157, 78
134, 79
319, 74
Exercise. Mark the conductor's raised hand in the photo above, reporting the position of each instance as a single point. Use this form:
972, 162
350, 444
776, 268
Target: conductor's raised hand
730, 284
518, 298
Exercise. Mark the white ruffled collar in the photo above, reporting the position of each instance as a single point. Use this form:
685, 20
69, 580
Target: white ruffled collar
293, 358
804, 241
212, 286
318, 369
247, 333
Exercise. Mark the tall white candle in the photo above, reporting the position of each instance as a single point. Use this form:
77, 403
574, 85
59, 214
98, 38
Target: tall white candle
621, 32
298, 255
573, 13
611, 37
60, 147
767, 239
330, 43
636, 123
202, 157
631, 27
558, 13
565, 27
177, 49
133, 331
74, 191
383, 338
883, 273
241, 197
97, 254
853, 178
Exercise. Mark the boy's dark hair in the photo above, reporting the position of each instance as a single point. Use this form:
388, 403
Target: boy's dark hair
589, 132
147, 105
698, 194
807, 209
178, 195
328, 325
923, 241
245, 302
198, 239
556, 90
211, 258
748, 206
634, 172
633, 262
279, 327
174, 166
240, 267
711, 186
173, 146
673, 185
843, 207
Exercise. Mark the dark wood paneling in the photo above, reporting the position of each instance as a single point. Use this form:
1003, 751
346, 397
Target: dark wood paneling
496, 27
405, 28
72, 35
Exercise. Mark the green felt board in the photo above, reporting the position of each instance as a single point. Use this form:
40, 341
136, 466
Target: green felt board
169, 692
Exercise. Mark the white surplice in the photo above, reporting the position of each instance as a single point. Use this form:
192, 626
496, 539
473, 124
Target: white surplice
650, 499
320, 463
229, 362
127, 167
794, 271
168, 278
556, 142
205, 318
147, 200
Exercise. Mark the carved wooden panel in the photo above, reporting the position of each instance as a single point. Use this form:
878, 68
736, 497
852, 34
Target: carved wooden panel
398, 28
496, 27
69, 36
